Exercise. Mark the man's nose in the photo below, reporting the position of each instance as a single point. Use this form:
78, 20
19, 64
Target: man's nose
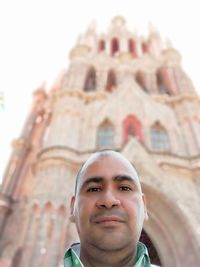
108, 200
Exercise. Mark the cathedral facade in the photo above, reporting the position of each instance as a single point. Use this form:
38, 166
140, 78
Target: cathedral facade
124, 92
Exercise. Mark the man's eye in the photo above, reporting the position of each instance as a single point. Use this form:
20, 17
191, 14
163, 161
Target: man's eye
93, 189
125, 188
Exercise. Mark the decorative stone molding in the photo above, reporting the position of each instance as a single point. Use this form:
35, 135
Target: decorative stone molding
79, 51
177, 99
20, 143
85, 97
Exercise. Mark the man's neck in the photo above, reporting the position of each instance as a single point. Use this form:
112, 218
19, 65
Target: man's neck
94, 257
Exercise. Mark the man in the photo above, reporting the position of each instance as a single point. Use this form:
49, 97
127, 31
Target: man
109, 210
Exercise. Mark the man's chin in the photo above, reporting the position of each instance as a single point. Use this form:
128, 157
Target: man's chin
109, 246
110, 242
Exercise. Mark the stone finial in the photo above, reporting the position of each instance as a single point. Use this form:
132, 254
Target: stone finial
58, 81
39, 97
91, 30
152, 29
117, 27
171, 53
118, 21
88, 39
155, 41
171, 56
41, 88
168, 43
40, 93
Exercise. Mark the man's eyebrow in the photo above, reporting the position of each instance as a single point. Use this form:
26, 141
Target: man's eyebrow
94, 179
100, 179
124, 177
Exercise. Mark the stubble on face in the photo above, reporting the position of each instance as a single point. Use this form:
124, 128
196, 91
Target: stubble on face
102, 235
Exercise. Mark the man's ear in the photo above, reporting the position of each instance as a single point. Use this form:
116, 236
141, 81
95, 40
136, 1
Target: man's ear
72, 216
146, 217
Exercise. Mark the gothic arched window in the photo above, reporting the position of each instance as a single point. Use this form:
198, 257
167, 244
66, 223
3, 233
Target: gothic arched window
111, 81
132, 127
16, 262
132, 47
145, 48
159, 138
48, 207
105, 134
162, 88
90, 81
114, 46
140, 79
101, 45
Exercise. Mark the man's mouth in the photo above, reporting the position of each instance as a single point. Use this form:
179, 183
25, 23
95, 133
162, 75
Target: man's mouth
108, 220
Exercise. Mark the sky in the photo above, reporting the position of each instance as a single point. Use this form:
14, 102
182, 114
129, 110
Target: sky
37, 35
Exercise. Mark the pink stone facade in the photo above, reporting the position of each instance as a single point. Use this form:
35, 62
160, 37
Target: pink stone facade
120, 91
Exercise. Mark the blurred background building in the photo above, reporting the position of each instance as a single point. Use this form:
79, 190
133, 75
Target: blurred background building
121, 91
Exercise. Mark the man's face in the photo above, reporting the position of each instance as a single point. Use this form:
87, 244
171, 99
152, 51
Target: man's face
109, 206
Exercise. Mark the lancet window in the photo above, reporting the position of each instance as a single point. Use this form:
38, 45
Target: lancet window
111, 81
159, 138
140, 78
16, 262
145, 48
162, 88
101, 45
132, 128
105, 135
90, 81
132, 47
114, 46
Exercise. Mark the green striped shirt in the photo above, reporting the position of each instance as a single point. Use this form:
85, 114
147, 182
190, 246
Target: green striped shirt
71, 258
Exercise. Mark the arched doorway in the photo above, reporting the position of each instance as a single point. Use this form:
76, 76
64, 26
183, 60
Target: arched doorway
17, 258
153, 254
169, 231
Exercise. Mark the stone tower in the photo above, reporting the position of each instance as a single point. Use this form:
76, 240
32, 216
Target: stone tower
121, 91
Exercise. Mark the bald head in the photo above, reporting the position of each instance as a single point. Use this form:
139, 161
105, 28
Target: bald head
108, 196
103, 154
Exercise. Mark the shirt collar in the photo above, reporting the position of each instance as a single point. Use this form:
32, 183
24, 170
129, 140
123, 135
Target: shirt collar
71, 258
